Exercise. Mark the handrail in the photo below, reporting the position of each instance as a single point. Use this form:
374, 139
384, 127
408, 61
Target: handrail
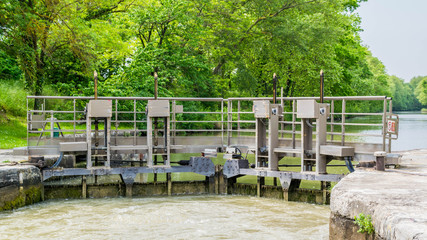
225, 120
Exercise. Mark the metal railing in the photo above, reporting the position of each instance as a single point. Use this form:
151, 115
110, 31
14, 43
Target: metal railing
227, 120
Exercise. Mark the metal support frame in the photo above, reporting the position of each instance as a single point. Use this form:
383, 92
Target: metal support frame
193, 143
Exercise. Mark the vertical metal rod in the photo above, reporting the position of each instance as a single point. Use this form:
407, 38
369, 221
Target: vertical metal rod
116, 123
384, 133
173, 121
282, 125
95, 76
28, 129
294, 106
229, 120
155, 85
274, 88
321, 86
222, 122
52, 125
238, 118
390, 111
332, 119
74, 117
343, 123
134, 123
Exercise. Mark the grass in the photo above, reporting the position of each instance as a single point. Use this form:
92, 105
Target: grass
13, 132
13, 99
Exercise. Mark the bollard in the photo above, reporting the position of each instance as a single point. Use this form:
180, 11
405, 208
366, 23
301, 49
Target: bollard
380, 160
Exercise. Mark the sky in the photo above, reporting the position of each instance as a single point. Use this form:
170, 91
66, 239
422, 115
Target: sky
395, 31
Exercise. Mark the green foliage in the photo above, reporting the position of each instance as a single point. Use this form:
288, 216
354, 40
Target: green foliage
421, 91
365, 223
200, 48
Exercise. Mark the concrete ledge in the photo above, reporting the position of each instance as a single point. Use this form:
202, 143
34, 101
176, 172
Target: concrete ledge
19, 186
395, 200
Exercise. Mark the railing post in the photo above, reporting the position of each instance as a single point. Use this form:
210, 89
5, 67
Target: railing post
74, 117
229, 121
238, 118
134, 123
390, 111
384, 123
282, 125
294, 104
28, 128
52, 124
222, 122
173, 121
343, 123
116, 123
332, 119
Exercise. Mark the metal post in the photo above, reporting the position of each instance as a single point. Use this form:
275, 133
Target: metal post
321, 86
155, 85
332, 119
28, 129
134, 123
116, 123
174, 121
380, 160
390, 113
238, 118
89, 142
95, 76
343, 123
274, 88
384, 123
229, 120
222, 122
74, 117
52, 125
294, 106
282, 126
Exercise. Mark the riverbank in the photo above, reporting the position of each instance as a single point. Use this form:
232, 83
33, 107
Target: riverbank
396, 200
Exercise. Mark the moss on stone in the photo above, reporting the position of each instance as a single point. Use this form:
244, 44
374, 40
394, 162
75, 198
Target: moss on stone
33, 195
19, 201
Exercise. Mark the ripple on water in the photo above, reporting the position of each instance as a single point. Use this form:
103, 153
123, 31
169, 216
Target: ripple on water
201, 217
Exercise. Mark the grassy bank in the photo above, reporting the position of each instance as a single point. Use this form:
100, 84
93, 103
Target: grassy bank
13, 132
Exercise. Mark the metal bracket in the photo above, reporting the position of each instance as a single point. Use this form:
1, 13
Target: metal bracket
232, 167
202, 165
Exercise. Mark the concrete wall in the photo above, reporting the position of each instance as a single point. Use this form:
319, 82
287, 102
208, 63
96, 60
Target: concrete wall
19, 186
396, 201
119, 190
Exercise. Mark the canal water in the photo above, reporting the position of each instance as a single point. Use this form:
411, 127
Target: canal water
412, 131
189, 217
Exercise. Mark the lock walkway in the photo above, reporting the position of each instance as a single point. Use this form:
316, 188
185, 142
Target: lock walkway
396, 199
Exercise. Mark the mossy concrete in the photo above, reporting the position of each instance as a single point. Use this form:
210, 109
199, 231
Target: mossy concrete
20, 186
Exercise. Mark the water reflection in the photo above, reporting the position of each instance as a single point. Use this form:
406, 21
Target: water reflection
201, 217
412, 131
